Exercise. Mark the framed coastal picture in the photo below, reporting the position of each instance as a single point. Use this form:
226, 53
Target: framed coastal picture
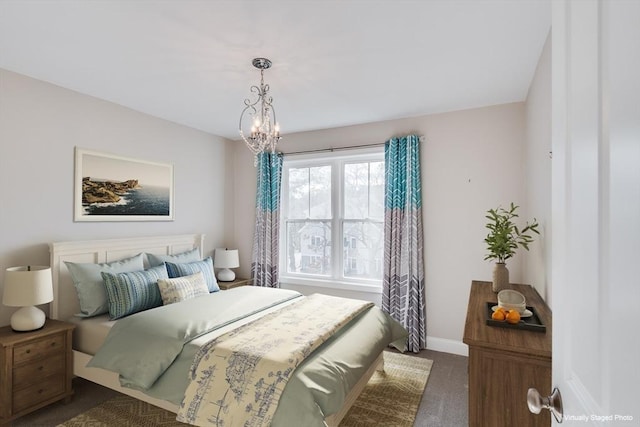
116, 188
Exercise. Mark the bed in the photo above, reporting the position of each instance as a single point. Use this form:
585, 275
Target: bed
91, 333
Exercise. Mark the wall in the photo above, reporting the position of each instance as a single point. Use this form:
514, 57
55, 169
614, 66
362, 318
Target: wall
537, 266
472, 161
40, 124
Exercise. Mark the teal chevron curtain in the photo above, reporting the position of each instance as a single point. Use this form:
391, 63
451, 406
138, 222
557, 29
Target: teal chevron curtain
403, 277
264, 266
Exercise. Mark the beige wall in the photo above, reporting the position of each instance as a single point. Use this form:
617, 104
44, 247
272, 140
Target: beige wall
40, 124
472, 160
537, 267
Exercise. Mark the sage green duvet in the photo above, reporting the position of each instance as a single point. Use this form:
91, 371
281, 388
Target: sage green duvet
153, 350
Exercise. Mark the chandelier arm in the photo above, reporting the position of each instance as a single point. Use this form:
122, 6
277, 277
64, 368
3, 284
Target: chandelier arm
250, 106
247, 101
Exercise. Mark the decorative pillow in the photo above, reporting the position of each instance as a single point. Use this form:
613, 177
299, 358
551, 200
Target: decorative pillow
182, 288
131, 292
90, 286
205, 266
188, 256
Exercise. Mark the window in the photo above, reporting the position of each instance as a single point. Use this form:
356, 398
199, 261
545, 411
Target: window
333, 198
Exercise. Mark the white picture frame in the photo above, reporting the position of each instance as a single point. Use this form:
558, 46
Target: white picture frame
109, 187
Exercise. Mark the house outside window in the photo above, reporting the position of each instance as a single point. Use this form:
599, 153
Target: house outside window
333, 198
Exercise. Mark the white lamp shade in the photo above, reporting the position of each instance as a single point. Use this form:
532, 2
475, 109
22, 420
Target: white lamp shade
226, 258
29, 285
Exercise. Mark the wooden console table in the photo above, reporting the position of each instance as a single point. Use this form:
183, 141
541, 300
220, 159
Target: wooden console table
505, 363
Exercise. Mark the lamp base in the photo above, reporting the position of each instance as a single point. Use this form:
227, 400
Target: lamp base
27, 319
226, 275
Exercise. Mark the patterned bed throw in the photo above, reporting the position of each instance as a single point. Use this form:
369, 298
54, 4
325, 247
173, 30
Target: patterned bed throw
237, 379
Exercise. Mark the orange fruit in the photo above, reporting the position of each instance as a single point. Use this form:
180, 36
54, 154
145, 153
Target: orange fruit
499, 314
513, 316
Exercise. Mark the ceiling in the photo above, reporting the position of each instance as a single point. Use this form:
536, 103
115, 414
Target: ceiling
335, 63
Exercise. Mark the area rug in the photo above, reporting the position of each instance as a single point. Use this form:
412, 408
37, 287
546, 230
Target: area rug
391, 398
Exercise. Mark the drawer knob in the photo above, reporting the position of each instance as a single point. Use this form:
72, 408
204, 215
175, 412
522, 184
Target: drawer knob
53, 344
28, 351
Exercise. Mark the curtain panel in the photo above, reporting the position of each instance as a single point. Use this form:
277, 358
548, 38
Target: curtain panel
403, 294
264, 265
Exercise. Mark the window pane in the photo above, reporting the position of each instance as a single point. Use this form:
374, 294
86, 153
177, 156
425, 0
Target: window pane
356, 190
364, 190
298, 199
320, 195
308, 249
362, 249
376, 190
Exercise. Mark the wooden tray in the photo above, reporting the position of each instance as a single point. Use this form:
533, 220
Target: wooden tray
532, 323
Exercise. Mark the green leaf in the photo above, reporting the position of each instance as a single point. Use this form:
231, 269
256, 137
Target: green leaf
504, 236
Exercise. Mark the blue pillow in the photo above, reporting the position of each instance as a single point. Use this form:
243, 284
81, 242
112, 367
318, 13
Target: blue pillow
132, 292
188, 256
90, 285
205, 266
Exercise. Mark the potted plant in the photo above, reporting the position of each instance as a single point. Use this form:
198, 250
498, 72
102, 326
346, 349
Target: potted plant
503, 239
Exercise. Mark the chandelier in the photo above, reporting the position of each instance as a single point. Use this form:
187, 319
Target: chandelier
264, 131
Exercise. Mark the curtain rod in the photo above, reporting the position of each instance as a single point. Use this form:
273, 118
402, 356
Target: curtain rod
351, 147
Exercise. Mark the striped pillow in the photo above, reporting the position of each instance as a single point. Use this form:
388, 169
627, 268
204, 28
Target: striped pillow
182, 288
130, 293
205, 267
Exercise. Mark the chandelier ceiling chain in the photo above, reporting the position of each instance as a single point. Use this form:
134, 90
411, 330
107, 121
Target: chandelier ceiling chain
264, 129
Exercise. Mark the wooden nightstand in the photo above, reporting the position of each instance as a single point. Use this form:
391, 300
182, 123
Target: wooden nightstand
36, 368
238, 282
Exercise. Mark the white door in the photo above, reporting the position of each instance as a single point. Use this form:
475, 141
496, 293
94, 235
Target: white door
596, 210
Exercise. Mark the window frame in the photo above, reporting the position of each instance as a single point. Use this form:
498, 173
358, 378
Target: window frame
337, 160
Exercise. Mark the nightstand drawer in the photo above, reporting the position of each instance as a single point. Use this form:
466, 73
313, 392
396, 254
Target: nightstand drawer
45, 389
38, 348
31, 373
36, 368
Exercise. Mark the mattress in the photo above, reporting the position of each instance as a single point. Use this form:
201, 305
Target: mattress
90, 332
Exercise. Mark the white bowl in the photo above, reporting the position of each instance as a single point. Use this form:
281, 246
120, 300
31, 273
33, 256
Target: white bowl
512, 300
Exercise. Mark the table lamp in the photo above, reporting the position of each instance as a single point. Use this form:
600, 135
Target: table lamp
27, 287
226, 259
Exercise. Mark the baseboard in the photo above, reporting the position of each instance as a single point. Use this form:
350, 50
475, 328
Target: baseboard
447, 346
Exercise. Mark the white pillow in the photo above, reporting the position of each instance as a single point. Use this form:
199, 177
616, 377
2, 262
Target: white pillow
182, 288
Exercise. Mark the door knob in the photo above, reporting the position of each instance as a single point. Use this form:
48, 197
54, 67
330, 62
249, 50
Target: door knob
553, 403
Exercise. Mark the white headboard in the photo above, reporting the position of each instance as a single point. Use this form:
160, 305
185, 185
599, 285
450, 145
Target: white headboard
65, 300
